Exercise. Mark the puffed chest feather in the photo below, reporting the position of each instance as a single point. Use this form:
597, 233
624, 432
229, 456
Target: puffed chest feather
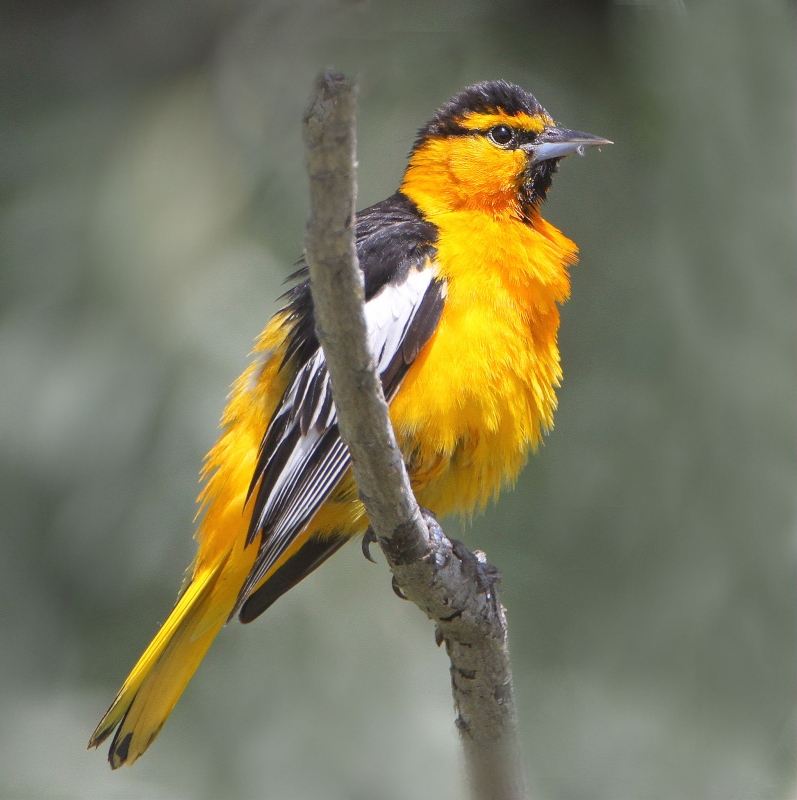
482, 391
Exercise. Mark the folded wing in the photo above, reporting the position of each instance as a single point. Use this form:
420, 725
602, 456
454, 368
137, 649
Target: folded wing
302, 457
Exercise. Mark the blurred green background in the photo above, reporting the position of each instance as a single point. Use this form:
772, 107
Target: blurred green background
153, 199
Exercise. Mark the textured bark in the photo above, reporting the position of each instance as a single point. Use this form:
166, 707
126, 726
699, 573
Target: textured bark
453, 587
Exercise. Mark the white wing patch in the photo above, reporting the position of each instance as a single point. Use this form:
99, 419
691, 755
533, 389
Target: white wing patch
389, 313
302, 457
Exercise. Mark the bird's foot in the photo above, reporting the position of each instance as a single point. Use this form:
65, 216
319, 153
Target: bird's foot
369, 537
439, 545
487, 576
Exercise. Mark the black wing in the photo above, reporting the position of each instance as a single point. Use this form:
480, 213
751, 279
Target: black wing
302, 457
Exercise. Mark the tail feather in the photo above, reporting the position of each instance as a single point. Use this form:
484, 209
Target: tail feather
154, 686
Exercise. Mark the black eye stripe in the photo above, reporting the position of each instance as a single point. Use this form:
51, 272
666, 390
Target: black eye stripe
521, 136
518, 136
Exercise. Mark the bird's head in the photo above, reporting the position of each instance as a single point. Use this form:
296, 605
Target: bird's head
492, 146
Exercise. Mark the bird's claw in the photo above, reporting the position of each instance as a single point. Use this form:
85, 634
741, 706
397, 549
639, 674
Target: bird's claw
397, 589
369, 538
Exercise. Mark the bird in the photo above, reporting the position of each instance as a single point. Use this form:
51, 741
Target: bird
463, 283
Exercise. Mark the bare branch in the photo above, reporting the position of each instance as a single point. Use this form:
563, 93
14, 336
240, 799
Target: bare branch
455, 588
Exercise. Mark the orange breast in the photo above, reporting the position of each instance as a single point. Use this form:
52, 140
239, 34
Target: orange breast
483, 390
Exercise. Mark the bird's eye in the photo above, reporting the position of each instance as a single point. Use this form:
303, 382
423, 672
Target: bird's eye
502, 134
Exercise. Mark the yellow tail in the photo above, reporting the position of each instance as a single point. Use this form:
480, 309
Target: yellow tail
154, 686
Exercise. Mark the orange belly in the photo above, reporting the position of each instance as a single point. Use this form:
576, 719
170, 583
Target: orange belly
482, 391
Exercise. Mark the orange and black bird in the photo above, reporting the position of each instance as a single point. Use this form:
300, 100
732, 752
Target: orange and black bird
463, 282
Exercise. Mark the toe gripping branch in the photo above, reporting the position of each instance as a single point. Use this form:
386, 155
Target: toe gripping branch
456, 581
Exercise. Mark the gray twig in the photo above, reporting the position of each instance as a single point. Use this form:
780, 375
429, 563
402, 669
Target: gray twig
454, 588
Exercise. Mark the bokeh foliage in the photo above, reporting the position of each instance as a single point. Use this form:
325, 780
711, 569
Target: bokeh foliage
152, 200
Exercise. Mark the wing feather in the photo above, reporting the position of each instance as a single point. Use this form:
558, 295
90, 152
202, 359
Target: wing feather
302, 457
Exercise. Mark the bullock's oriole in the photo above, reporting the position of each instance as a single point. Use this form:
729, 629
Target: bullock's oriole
463, 279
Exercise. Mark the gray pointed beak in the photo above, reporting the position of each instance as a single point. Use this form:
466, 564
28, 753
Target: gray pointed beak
561, 142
